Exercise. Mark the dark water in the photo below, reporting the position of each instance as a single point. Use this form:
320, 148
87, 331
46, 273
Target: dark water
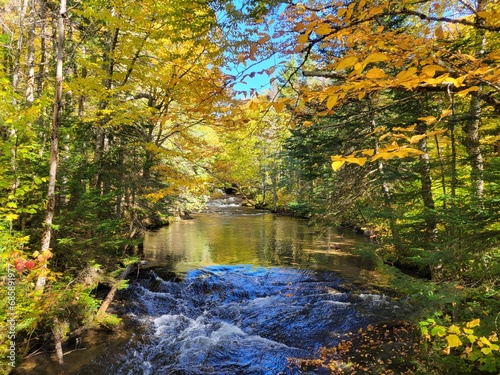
250, 291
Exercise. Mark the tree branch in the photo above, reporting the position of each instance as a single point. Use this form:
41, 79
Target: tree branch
426, 17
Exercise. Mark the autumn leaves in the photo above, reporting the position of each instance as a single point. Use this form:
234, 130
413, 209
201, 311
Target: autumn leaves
370, 50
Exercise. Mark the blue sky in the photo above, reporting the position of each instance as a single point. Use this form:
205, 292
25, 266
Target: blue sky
257, 82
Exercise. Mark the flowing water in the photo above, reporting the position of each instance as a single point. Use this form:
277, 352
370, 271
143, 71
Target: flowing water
238, 291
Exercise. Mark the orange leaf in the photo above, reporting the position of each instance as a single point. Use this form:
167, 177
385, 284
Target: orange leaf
439, 32
253, 49
264, 39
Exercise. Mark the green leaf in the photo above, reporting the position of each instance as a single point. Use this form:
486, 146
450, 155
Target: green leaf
438, 331
486, 350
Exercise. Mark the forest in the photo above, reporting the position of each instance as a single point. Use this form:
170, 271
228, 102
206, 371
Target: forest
383, 116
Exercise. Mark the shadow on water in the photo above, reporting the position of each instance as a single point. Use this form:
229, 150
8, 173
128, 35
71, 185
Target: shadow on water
250, 291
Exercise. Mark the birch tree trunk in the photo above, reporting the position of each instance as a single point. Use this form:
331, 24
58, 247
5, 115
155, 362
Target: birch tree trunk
54, 144
471, 127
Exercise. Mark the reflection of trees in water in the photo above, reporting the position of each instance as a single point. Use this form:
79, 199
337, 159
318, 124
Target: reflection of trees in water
248, 236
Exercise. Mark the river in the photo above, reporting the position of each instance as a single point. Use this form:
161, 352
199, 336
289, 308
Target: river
236, 291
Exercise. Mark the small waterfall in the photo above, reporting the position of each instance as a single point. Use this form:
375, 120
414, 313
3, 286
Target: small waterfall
240, 320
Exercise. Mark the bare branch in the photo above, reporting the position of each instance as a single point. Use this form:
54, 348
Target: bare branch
460, 21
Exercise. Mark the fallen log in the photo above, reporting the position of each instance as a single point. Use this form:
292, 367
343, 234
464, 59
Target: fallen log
109, 298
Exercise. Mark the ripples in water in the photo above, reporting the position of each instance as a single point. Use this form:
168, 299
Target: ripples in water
241, 320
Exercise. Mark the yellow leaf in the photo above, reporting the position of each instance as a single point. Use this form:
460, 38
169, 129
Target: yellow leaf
384, 136
337, 164
485, 341
453, 341
446, 351
437, 132
376, 10
323, 29
454, 329
428, 119
463, 93
361, 95
408, 129
11, 216
358, 68
413, 151
375, 57
347, 62
332, 101
368, 152
430, 70
306, 124
446, 112
278, 106
495, 55
304, 38
486, 351
375, 73
354, 160
405, 74
382, 155
453, 81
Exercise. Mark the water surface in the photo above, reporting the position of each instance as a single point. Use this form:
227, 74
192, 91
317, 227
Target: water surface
237, 291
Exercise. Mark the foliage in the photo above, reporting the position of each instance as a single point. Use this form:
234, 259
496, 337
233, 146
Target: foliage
474, 351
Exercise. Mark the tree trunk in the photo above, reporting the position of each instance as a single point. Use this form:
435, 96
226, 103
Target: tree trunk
54, 146
43, 50
30, 58
109, 298
56, 331
471, 142
426, 186
386, 190
16, 68
471, 127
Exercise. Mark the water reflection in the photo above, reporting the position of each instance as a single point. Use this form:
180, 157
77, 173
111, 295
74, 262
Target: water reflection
247, 236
